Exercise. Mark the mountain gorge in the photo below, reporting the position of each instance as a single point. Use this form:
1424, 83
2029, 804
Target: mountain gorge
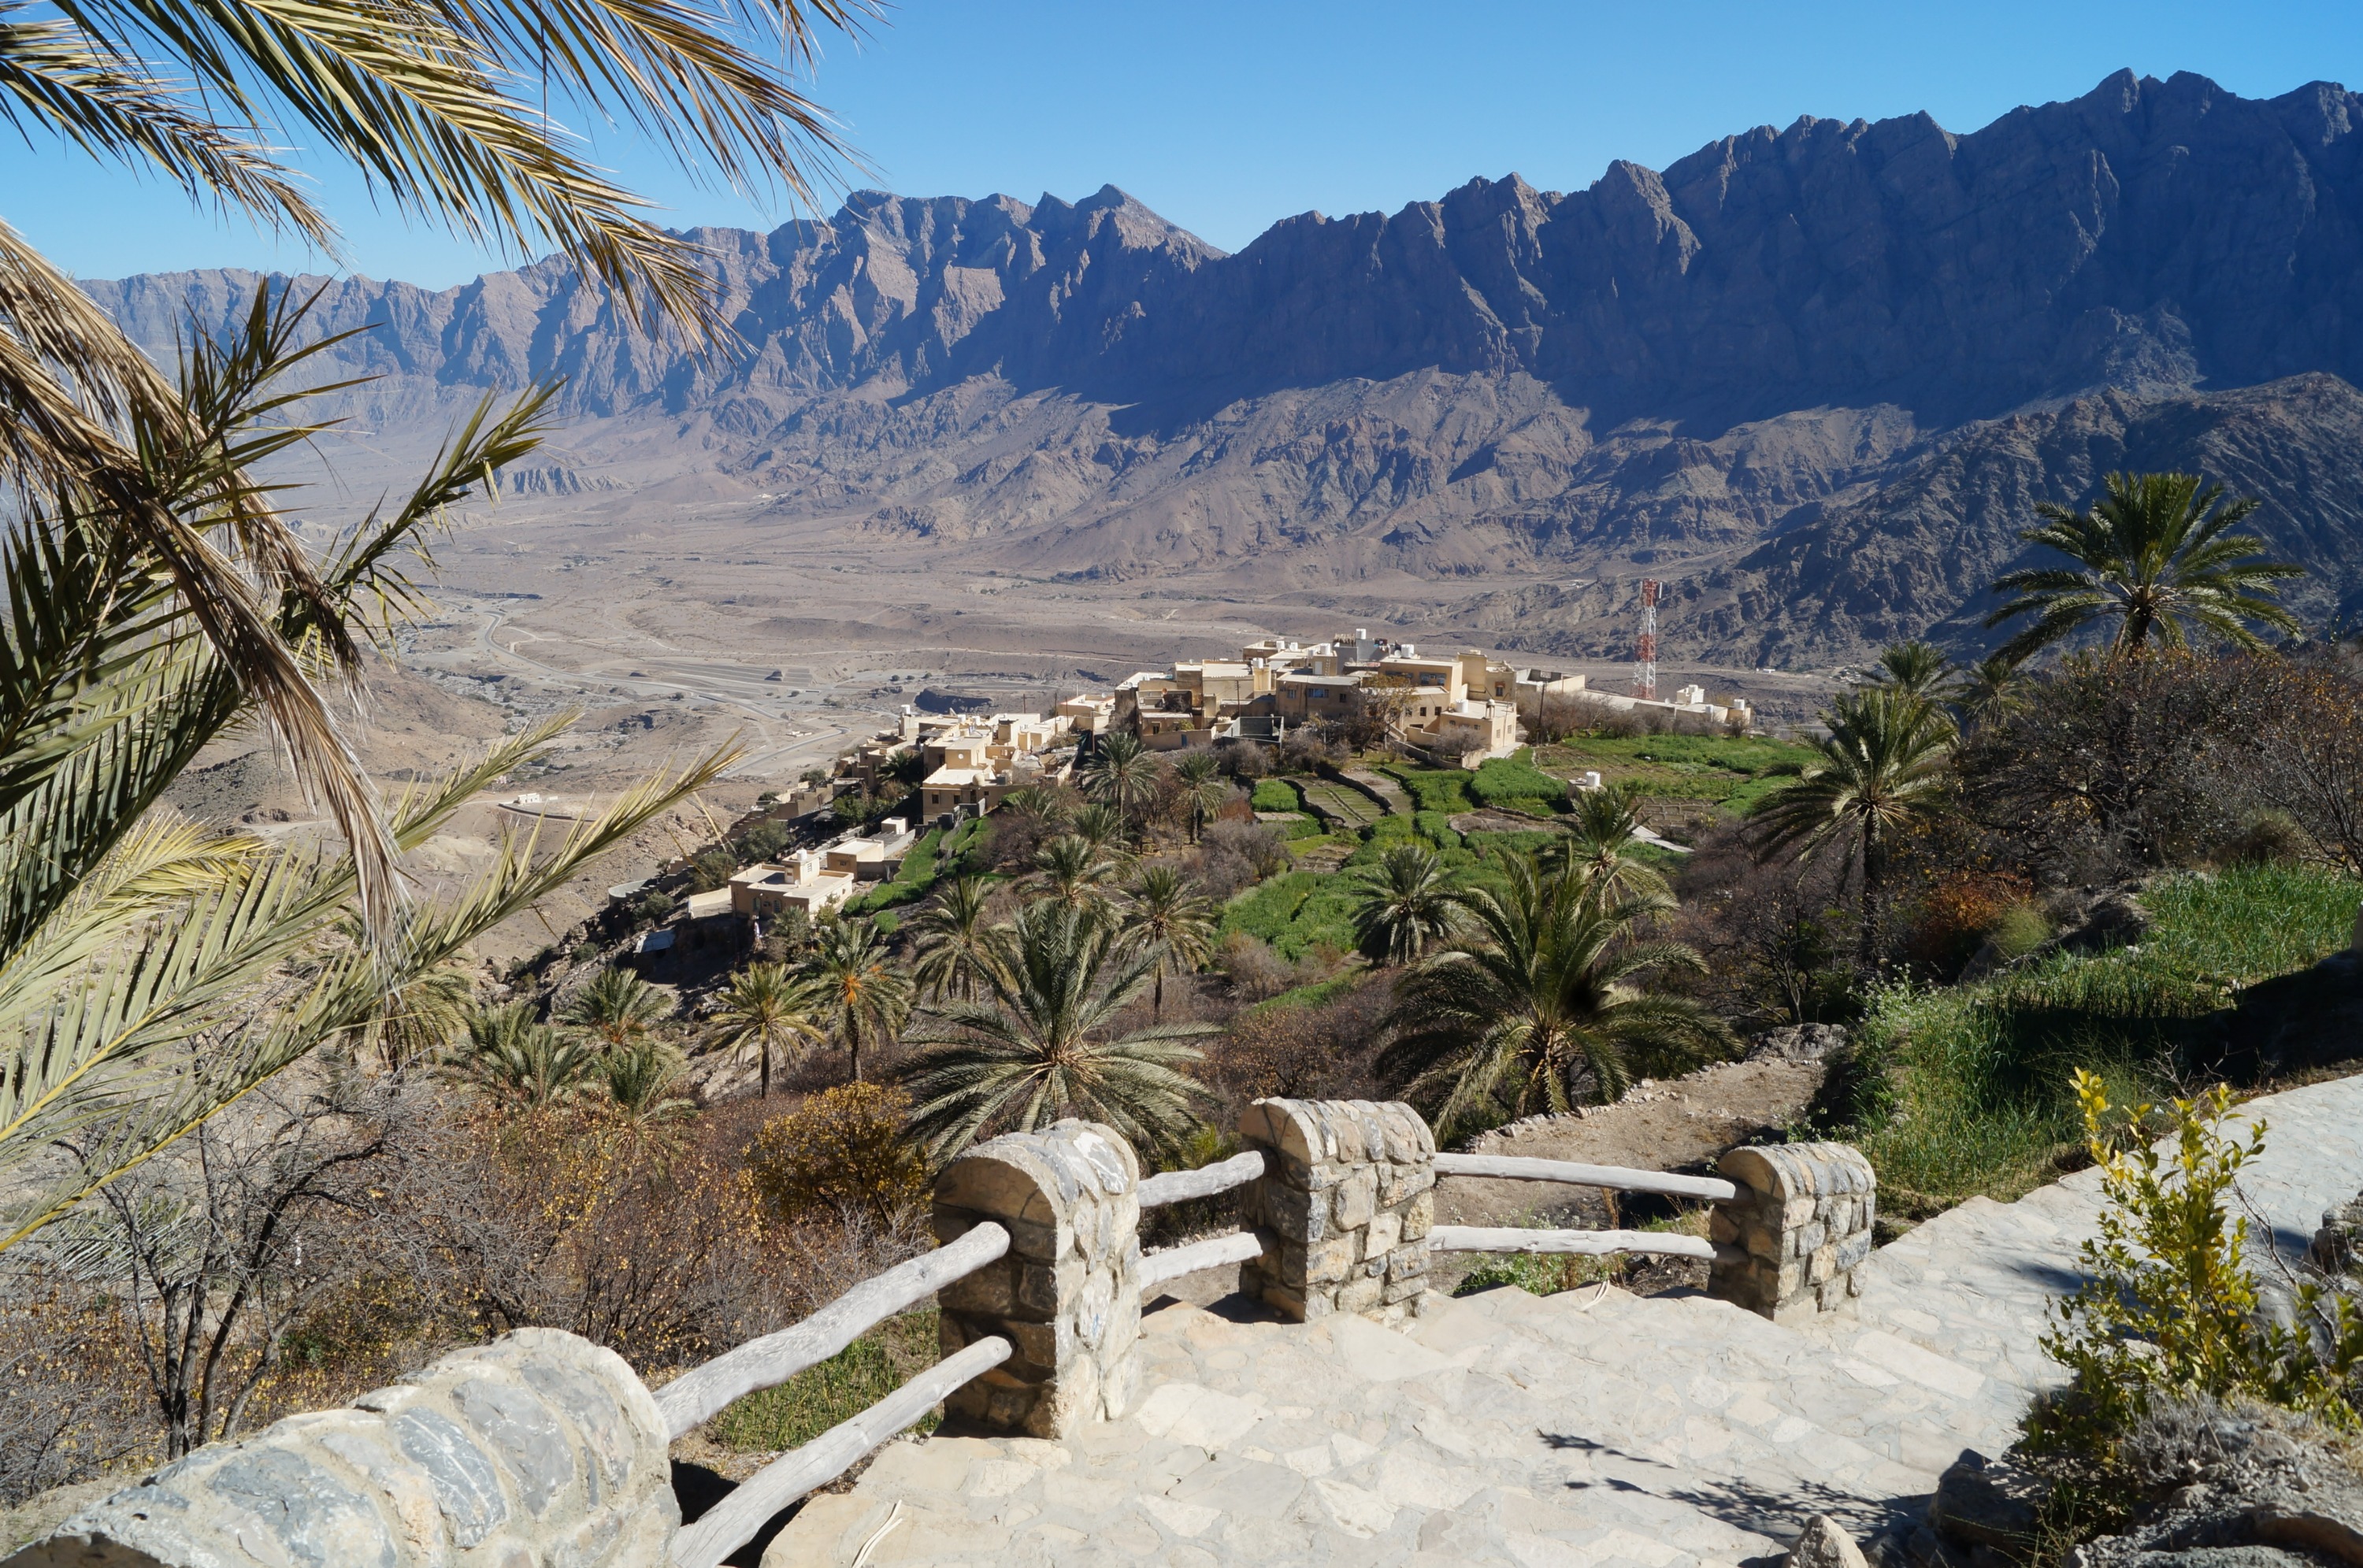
1815, 378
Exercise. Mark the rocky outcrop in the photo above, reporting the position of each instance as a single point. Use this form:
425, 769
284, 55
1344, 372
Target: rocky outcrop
1816, 377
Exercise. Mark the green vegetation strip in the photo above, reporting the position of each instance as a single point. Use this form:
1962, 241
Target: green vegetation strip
840, 1388
1965, 1089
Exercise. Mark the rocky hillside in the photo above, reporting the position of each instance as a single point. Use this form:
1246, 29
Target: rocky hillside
1816, 376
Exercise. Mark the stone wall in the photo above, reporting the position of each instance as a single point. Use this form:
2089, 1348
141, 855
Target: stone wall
1345, 1205
1789, 1241
539, 1448
1067, 1295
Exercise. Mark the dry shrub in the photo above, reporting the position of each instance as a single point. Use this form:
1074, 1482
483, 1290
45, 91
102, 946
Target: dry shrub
1958, 912
75, 1406
651, 1242
1323, 1051
842, 1153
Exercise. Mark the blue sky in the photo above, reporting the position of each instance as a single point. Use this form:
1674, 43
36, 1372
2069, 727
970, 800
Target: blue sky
1224, 117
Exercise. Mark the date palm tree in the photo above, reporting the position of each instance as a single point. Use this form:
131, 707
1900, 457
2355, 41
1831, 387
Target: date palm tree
1163, 914
512, 1057
856, 987
1103, 832
157, 595
1071, 872
1915, 668
1539, 1005
1204, 788
2153, 554
1604, 826
1884, 765
618, 1009
199, 965
642, 1081
954, 941
1040, 1046
766, 1007
1123, 774
1401, 904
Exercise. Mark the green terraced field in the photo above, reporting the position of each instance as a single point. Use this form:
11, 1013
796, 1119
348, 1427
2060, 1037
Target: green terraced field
1341, 802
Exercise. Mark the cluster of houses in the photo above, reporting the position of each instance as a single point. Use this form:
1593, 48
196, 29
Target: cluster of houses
1462, 708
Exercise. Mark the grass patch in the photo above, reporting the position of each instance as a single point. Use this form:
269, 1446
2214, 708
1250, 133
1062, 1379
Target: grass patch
1981, 1074
1514, 784
1341, 802
1313, 995
1295, 912
1442, 790
1276, 795
1734, 772
838, 1389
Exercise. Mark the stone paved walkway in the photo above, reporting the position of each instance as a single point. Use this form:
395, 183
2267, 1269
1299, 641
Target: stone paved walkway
1582, 1430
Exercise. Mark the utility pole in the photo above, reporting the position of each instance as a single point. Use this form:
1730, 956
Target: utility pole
1645, 646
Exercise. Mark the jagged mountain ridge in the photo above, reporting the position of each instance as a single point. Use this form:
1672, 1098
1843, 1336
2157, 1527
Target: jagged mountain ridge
1759, 362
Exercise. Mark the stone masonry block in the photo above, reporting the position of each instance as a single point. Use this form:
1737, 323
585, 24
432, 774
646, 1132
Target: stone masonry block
537, 1447
1787, 1240
1347, 1185
1067, 1196
1355, 1201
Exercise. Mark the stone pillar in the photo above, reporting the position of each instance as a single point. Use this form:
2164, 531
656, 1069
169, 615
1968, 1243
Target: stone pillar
1789, 1242
1066, 1296
538, 1447
1345, 1205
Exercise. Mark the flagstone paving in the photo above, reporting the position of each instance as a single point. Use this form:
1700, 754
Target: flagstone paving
1581, 1430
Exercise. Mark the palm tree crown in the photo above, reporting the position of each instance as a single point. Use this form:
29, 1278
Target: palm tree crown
855, 987
1163, 914
1536, 1007
1605, 825
1038, 1049
2152, 553
1401, 904
1915, 668
1069, 870
1123, 774
618, 1008
1884, 765
765, 1007
954, 940
512, 1057
1204, 788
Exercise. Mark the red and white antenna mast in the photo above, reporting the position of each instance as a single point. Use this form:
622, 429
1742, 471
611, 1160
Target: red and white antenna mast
1645, 646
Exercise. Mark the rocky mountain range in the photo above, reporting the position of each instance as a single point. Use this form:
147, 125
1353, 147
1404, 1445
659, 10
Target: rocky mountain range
1815, 378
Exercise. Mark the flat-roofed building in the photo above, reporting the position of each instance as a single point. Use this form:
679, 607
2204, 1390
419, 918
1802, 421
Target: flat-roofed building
803, 883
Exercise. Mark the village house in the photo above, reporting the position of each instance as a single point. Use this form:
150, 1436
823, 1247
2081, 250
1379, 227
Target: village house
765, 891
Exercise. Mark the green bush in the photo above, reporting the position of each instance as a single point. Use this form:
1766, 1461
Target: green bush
836, 1390
2170, 1307
1275, 795
1295, 912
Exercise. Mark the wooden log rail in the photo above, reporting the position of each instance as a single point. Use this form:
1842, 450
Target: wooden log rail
735, 1520
1582, 1243
698, 1396
1172, 1263
1504, 1167
1181, 1186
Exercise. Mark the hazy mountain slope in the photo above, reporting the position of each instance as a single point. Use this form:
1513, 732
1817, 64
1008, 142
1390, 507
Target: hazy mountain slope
1818, 376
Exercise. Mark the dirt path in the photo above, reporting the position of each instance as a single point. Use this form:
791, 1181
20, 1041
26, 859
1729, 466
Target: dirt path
1679, 1124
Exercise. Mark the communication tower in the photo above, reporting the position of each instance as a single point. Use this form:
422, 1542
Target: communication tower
1645, 646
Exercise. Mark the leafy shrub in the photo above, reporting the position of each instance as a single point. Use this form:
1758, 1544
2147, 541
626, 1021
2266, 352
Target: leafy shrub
842, 1150
711, 870
1536, 1274
1955, 915
2170, 1307
2268, 838
2021, 929
764, 841
584, 953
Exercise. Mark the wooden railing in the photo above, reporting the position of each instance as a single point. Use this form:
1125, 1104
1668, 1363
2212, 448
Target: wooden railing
698, 1396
